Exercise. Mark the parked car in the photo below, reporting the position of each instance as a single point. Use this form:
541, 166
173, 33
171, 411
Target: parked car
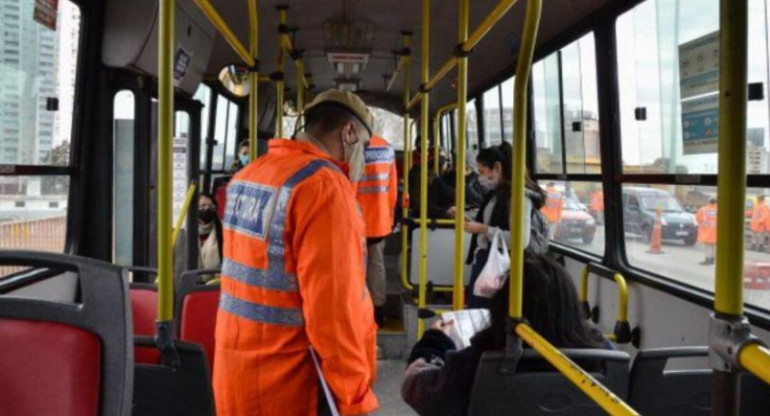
576, 223
639, 210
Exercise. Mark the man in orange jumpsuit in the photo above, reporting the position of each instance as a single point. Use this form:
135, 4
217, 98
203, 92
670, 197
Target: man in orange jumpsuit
707, 230
377, 193
597, 206
760, 217
293, 275
553, 208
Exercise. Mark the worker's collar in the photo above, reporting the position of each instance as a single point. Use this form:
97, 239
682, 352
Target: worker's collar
307, 146
303, 136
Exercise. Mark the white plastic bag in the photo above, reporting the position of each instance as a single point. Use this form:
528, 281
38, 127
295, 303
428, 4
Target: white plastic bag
495, 271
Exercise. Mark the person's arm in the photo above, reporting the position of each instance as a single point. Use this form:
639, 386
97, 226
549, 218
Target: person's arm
527, 225
339, 320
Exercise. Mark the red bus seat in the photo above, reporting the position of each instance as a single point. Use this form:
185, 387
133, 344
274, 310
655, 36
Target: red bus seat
144, 310
197, 311
60, 358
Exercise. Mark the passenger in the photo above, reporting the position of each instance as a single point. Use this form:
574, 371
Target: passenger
415, 179
597, 206
707, 230
377, 192
294, 273
209, 236
554, 204
760, 217
243, 157
494, 215
444, 186
439, 380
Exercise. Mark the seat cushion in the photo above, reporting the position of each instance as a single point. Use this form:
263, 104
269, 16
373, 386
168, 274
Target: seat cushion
199, 318
144, 309
48, 369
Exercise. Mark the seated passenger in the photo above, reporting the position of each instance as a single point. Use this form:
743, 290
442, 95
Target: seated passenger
209, 235
494, 165
444, 187
439, 379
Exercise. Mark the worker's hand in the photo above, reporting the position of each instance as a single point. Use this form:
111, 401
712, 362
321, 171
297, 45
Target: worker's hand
474, 227
443, 326
451, 212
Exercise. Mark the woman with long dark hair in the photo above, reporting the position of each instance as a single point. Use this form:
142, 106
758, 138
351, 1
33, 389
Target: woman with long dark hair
494, 165
439, 380
209, 235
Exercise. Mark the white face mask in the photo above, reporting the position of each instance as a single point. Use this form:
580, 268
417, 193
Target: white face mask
487, 183
354, 157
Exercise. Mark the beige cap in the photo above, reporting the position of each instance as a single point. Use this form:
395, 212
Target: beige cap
349, 100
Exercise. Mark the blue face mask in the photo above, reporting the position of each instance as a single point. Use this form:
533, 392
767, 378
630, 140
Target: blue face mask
244, 159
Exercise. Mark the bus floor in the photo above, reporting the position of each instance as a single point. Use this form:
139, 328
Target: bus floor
390, 373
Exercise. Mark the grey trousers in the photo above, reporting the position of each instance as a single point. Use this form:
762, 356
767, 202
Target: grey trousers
375, 272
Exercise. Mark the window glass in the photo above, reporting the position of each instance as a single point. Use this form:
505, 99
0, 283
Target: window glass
493, 135
33, 214
575, 214
581, 106
685, 240
232, 134
668, 68
203, 94
547, 120
38, 67
389, 126
220, 129
123, 177
471, 125
506, 89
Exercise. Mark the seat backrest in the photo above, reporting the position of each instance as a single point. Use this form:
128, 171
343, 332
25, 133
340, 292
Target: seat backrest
197, 306
441, 252
144, 311
536, 388
65, 359
656, 391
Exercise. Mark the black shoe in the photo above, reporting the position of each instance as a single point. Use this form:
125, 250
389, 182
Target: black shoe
379, 316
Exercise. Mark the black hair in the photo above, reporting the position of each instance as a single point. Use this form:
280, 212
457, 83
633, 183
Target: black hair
217, 221
503, 154
550, 305
328, 116
242, 144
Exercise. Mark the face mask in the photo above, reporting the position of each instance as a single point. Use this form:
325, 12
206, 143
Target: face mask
487, 182
207, 216
244, 159
354, 157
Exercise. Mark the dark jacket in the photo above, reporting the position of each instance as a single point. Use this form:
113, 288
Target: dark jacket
501, 214
444, 387
442, 193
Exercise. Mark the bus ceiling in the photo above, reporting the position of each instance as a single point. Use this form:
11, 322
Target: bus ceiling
346, 44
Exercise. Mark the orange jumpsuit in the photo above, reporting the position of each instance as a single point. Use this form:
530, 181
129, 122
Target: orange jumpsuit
553, 205
377, 189
760, 218
293, 276
707, 224
597, 201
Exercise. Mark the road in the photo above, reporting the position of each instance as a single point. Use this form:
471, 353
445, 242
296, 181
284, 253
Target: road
680, 262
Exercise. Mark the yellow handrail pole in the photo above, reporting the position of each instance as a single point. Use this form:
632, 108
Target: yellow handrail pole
253, 79
216, 20
165, 163
486, 25
399, 66
579, 377
731, 186
523, 68
424, 120
622, 297
458, 294
182, 214
584, 285
279, 84
756, 359
405, 175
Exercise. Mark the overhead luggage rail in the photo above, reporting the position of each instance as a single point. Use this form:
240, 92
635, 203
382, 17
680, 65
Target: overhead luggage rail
622, 331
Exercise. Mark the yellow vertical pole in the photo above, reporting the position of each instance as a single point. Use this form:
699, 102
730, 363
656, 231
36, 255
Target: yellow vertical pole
458, 291
424, 120
279, 84
523, 67
253, 78
165, 163
405, 175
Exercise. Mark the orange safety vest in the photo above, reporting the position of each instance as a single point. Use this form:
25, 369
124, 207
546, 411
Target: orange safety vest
760, 217
293, 275
553, 205
597, 201
707, 224
377, 189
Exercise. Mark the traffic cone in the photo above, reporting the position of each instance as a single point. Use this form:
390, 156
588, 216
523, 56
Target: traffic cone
656, 239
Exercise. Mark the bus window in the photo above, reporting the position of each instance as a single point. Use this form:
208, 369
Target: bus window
39, 71
506, 90
123, 178
389, 126
493, 134
472, 126
203, 94
581, 106
575, 214
547, 120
